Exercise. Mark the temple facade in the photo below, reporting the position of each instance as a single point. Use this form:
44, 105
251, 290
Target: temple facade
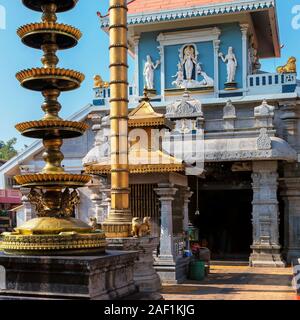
231, 142
235, 126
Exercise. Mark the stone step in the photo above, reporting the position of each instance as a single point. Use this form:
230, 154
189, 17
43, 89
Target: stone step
229, 263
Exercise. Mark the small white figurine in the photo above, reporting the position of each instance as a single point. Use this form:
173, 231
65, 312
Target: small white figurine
149, 72
231, 61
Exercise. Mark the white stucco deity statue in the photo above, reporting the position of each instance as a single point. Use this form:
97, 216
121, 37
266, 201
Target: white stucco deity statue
231, 61
100, 152
105, 147
189, 69
207, 81
179, 76
189, 62
149, 72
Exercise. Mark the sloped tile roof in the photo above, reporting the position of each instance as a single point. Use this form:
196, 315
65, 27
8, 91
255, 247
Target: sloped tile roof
139, 6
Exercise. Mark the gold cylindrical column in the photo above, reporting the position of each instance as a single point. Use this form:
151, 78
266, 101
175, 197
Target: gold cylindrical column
118, 223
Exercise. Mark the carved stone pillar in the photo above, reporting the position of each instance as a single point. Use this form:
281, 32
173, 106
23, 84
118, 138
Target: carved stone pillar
105, 203
171, 268
244, 31
136, 40
29, 212
100, 198
290, 192
216, 65
289, 116
187, 195
186, 200
265, 216
166, 193
96, 199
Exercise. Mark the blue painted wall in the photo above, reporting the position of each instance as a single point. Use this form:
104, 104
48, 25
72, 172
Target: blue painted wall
230, 36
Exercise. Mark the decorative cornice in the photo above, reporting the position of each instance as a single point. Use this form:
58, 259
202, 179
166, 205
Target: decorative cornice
200, 11
139, 169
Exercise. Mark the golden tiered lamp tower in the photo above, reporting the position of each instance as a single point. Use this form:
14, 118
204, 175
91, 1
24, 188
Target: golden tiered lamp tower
53, 191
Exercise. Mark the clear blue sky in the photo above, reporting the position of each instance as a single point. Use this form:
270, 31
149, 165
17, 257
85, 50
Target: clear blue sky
89, 57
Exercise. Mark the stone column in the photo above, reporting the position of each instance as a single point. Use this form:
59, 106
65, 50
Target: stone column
187, 195
289, 115
166, 193
100, 198
29, 212
216, 65
136, 40
96, 199
265, 216
290, 192
172, 269
105, 203
162, 72
244, 30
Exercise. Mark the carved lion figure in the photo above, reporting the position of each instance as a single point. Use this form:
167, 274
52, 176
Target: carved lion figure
141, 229
99, 83
290, 67
94, 224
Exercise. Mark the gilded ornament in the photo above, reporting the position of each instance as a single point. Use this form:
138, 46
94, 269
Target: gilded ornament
141, 229
290, 67
99, 83
53, 191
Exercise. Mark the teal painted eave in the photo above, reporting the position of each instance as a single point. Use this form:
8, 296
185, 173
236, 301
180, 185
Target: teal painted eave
201, 11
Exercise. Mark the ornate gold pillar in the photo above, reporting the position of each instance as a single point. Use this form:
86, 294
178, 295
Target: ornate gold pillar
118, 223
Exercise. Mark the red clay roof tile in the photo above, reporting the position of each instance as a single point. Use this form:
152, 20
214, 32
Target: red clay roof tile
139, 6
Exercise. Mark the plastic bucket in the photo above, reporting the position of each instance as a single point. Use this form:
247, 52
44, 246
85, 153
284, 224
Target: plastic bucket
197, 270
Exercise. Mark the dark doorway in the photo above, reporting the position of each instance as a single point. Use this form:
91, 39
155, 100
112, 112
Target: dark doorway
225, 222
225, 205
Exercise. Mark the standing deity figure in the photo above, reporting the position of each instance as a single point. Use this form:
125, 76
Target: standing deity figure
189, 62
231, 61
149, 72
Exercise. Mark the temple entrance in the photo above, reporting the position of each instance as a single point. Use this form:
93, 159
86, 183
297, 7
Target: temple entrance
225, 223
225, 206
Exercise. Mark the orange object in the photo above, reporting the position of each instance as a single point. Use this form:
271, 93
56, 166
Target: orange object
139, 6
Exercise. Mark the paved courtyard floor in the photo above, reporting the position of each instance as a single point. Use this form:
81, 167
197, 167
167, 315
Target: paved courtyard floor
236, 283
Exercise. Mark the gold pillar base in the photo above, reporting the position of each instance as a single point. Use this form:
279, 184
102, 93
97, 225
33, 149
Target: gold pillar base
118, 224
116, 230
53, 236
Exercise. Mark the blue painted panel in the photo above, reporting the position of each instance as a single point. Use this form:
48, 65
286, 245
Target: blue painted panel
205, 57
230, 94
148, 46
231, 36
98, 102
287, 88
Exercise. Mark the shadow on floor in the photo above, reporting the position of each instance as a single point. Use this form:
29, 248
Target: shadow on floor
233, 283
